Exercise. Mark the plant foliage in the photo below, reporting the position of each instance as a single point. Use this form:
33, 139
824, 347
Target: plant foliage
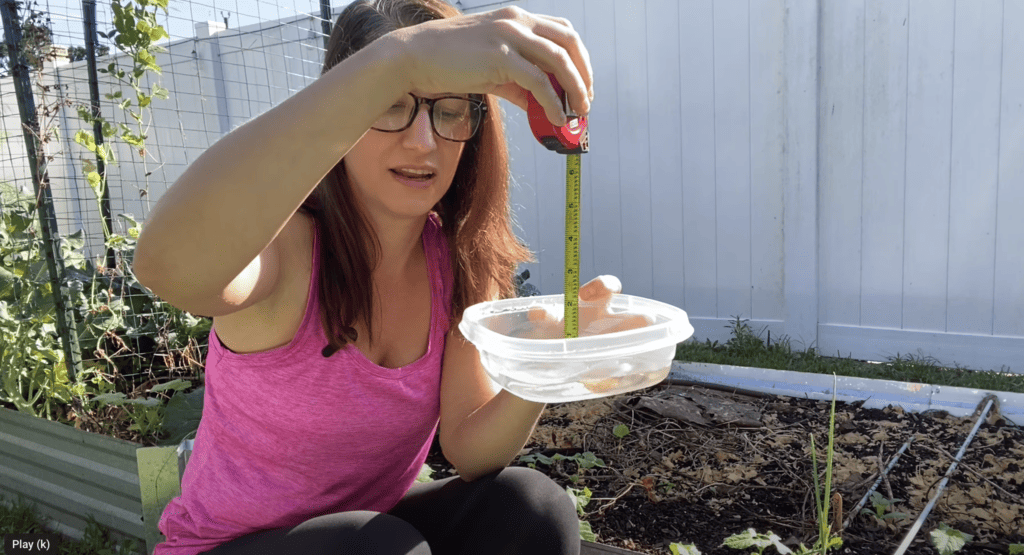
947, 540
134, 346
750, 539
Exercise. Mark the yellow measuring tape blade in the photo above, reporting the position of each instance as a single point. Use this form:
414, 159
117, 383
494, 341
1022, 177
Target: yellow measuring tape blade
572, 245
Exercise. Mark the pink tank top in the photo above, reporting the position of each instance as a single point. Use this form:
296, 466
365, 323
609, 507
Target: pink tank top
288, 435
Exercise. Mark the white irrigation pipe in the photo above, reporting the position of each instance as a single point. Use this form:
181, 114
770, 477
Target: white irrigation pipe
874, 486
942, 485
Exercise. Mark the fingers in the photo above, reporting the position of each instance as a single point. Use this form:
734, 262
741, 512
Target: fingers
630, 322
544, 324
561, 31
514, 94
600, 289
532, 78
540, 315
597, 295
509, 52
552, 45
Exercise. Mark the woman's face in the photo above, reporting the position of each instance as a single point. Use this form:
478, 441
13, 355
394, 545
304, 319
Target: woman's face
385, 169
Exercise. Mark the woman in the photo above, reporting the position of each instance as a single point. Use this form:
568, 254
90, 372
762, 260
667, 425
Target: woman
336, 240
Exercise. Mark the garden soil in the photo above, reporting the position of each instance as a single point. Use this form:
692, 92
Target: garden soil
698, 465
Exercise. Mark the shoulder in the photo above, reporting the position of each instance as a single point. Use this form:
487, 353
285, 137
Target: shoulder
273, 319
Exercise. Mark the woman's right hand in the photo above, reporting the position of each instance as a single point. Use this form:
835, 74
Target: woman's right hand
505, 52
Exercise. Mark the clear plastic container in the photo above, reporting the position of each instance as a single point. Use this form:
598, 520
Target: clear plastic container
555, 370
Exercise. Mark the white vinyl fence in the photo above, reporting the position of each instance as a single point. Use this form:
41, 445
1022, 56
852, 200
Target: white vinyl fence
849, 174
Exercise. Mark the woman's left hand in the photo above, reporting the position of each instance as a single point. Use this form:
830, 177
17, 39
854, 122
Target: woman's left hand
595, 316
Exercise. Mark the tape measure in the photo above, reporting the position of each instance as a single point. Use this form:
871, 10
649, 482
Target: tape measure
572, 244
571, 139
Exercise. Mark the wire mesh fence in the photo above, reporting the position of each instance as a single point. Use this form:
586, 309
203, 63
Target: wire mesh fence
102, 107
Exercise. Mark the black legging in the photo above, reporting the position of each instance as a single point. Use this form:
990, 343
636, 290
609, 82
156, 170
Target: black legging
514, 511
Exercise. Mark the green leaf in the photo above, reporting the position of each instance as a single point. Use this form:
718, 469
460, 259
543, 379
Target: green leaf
7, 281
947, 540
176, 385
580, 498
132, 139
147, 59
145, 402
129, 35
680, 549
160, 92
86, 139
621, 431
85, 114
156, 33
1016, 548
95, 181
118, 14
743, 540
425, 474
537, 458
111, 398
588, 460
182, 415
105, 154
879, 500
75, 241
586, 532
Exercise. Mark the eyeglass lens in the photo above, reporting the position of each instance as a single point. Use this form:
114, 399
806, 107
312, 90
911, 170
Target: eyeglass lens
453, 118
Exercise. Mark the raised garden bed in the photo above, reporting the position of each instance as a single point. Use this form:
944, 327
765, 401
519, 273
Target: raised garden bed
698, 465
677, 464
69, 474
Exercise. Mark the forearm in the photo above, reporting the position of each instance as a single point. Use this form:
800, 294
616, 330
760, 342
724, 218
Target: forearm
233, 200
491, 437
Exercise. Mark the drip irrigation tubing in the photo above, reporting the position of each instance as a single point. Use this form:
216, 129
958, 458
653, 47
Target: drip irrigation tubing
942, 485
874, 486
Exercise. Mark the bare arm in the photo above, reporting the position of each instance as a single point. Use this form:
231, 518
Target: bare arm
219, 217
236, 197
483, 427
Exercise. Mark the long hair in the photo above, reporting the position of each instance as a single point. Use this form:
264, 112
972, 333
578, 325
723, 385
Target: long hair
475, 214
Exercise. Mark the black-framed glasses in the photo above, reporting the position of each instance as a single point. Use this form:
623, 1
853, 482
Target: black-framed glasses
453, 118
